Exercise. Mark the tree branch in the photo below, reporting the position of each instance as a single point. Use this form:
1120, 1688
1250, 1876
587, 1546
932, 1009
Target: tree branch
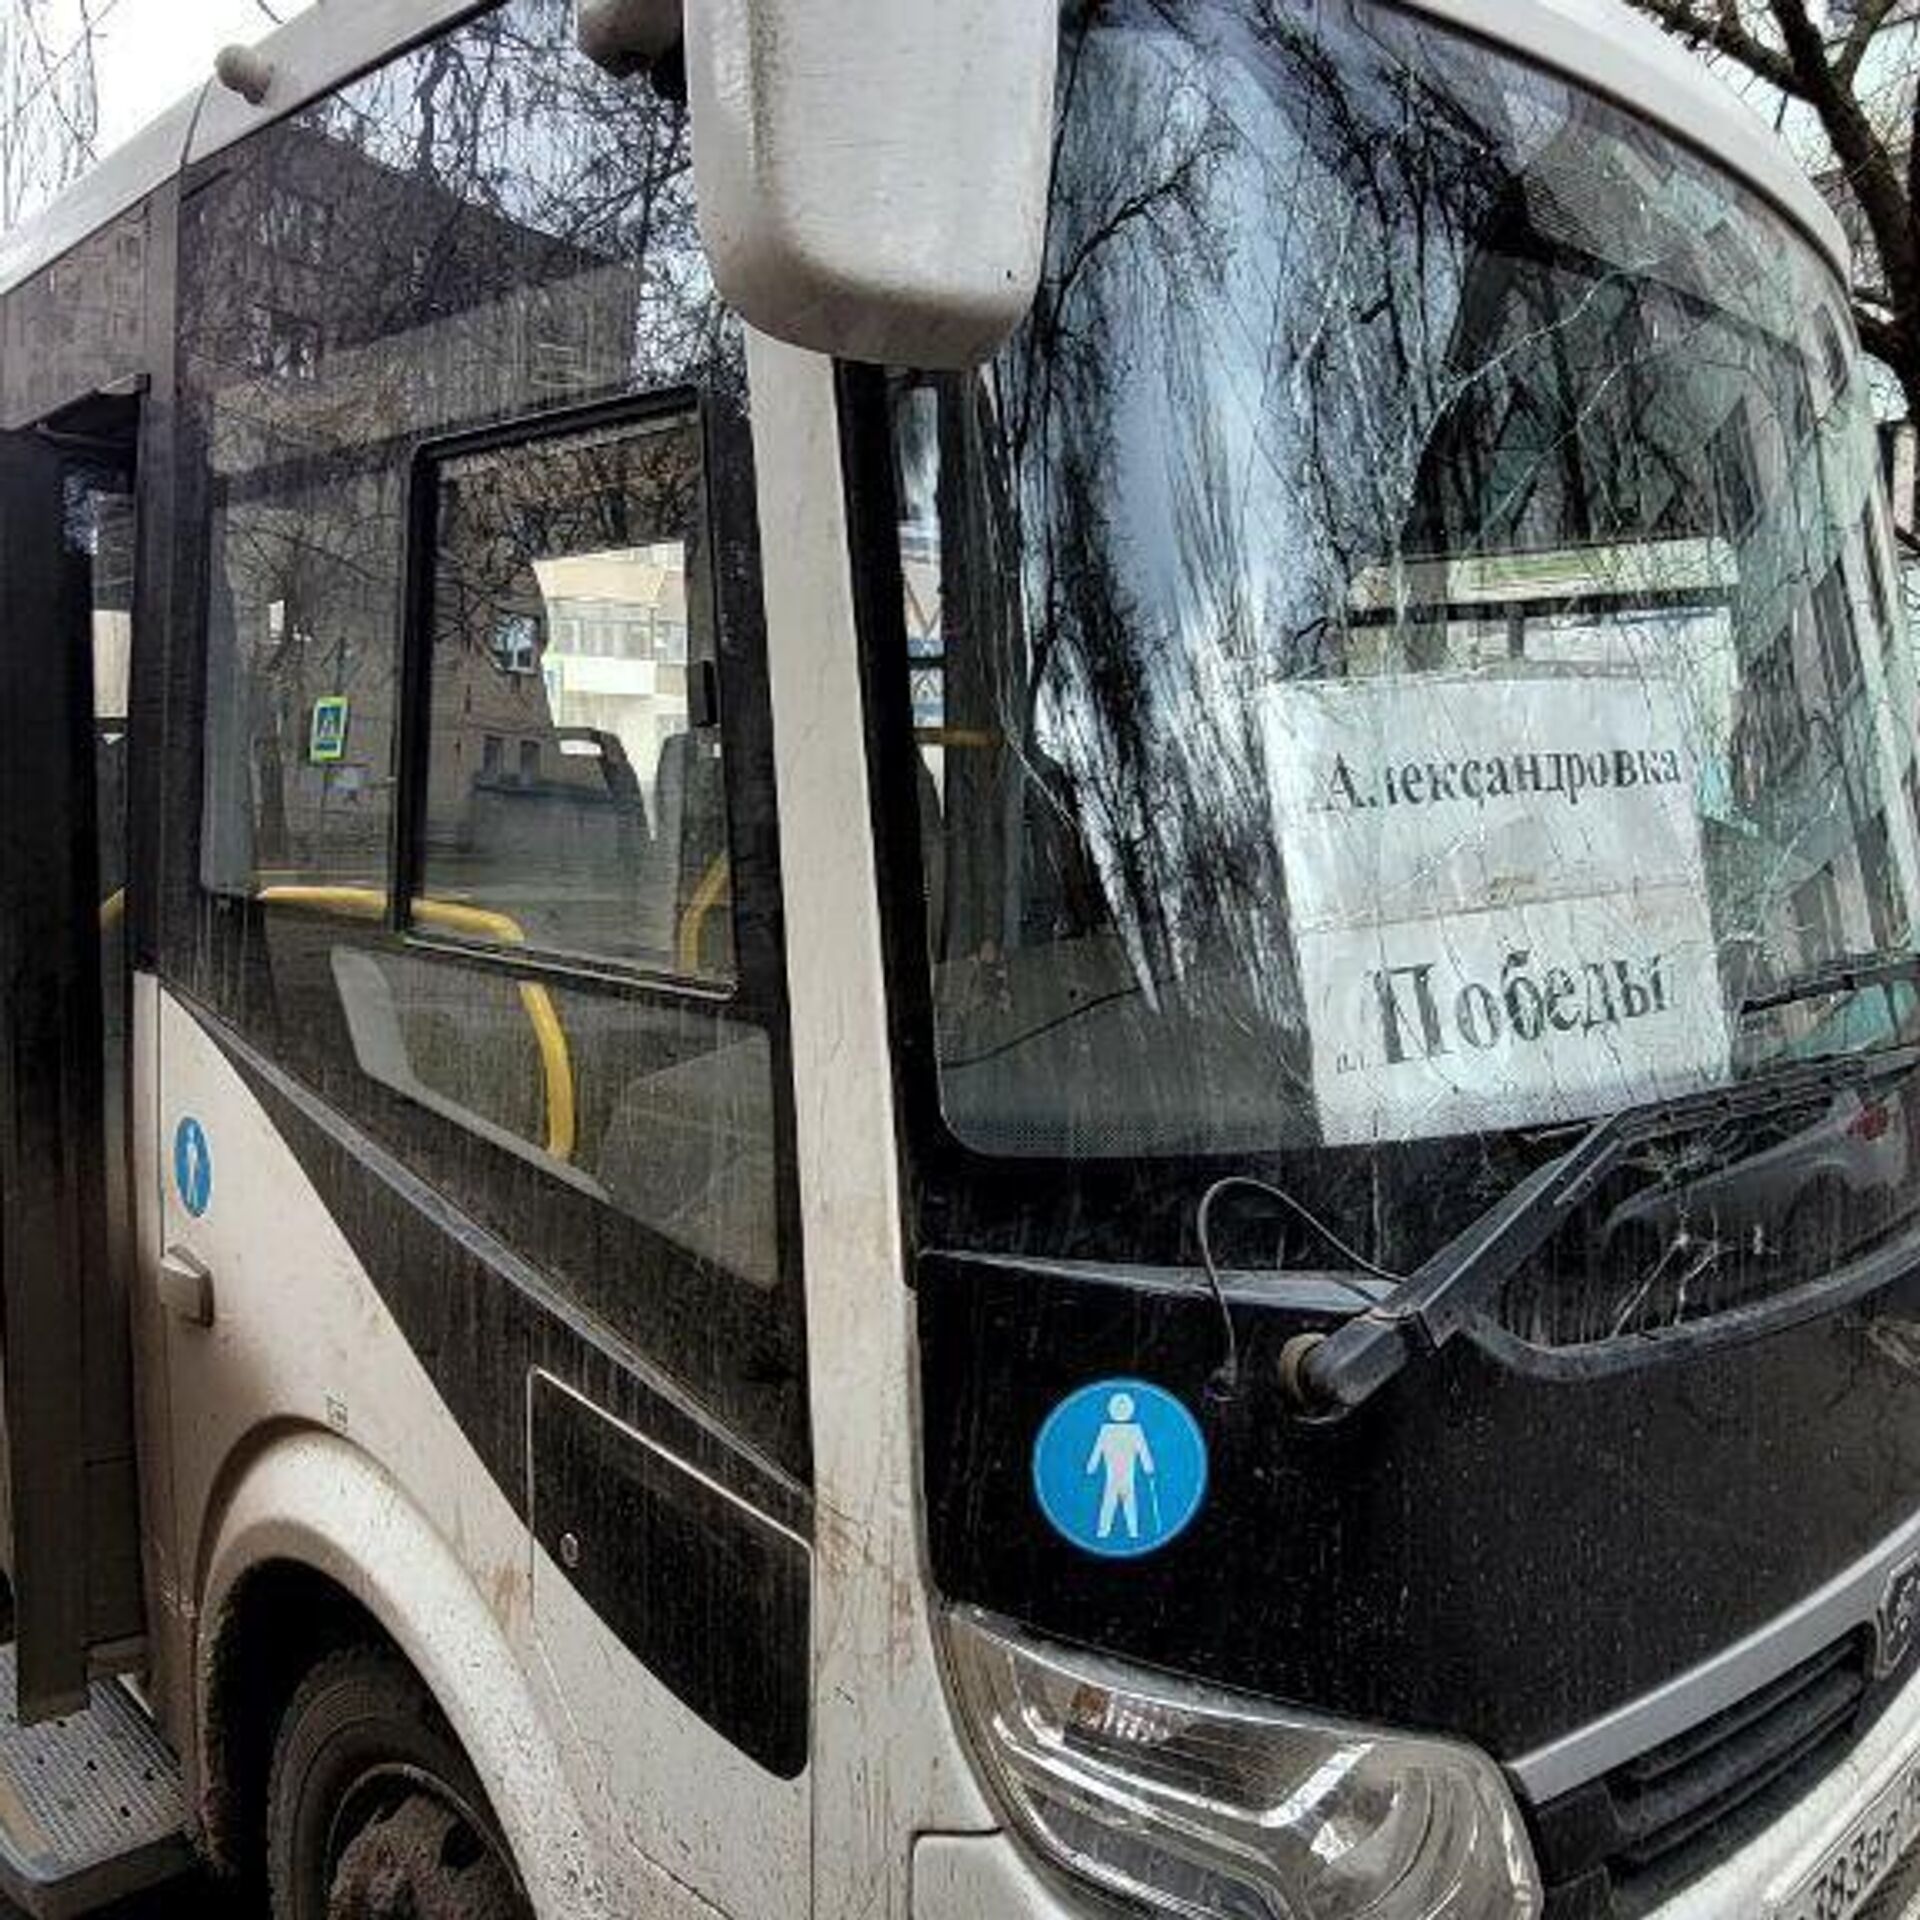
1885, 197
1806, 50
1880, 337
1724, 32
1868, 21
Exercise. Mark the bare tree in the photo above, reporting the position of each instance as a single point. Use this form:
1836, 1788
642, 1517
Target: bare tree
1821, 59
49, 121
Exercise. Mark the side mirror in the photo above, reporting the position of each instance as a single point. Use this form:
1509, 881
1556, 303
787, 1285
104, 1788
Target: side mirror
872, 174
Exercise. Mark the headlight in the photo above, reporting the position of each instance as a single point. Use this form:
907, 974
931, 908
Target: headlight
1194, 1801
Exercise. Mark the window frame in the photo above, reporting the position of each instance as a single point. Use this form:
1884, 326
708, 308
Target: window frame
284, 328
1836, 632
413, 729
1733, 455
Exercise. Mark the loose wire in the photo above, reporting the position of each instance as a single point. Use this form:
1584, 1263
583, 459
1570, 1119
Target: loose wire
1227, 1378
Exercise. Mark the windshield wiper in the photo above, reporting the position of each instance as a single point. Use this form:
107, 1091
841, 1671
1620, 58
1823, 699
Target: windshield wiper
1856, 973
1332, 1374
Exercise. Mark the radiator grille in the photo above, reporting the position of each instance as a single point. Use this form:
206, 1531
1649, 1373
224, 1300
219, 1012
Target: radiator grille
1616, 1848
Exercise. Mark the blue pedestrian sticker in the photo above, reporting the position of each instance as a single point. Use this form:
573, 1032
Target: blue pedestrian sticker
1120, 1468
192, 1166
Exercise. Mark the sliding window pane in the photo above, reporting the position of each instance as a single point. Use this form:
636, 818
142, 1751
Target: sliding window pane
574, 797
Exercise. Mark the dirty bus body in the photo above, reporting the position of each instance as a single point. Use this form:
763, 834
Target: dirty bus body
955, 1037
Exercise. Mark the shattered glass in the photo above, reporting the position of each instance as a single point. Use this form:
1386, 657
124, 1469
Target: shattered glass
1401, 650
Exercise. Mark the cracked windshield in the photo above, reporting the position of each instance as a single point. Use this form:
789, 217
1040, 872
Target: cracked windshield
1403, 657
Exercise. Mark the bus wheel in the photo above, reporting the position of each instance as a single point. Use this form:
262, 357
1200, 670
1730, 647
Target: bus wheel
373, 1812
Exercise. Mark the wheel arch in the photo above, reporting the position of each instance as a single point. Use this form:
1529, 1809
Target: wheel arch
317, 1546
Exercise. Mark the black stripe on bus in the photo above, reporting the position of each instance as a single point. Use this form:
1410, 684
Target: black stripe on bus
691, 1546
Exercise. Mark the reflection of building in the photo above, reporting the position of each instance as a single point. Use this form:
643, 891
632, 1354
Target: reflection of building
384, 287
87, 310
360, 306
565, 695
616, 654
1682, 457
1824, 766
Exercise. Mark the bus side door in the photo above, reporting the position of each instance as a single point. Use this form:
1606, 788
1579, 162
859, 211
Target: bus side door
66, 519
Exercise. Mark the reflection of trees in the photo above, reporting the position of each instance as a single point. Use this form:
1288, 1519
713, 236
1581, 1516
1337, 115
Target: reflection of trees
501, 514
1056, 650
1331, 293
1284, 270
1404, 179
502, 129
485, 227
1822, 62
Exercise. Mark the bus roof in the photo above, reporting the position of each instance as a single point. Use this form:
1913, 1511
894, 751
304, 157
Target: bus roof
1603, 43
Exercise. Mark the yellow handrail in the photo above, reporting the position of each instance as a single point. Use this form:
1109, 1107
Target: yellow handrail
714, 888
957, 737
556, 1058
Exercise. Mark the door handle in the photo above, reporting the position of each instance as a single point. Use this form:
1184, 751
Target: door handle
186, 1287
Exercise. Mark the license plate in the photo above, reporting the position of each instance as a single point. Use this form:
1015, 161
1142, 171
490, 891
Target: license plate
1862, 1857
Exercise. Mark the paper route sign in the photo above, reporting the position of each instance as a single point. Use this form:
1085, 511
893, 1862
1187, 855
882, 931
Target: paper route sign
1497, 896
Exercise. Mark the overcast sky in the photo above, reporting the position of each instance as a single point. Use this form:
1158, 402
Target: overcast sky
150, 52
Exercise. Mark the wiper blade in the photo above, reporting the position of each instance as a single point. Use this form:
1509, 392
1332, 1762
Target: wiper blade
1854, 974
1332, 1374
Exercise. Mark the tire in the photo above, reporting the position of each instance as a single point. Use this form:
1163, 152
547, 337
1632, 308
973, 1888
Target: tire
373, 1811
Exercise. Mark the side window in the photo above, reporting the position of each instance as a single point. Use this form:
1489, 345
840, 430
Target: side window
486, 855
605, 837
300, 673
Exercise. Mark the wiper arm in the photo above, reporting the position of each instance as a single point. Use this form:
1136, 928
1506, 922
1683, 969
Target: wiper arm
1332, 1374
1854, 974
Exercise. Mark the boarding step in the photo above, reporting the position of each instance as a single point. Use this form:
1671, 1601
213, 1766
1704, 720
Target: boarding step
91, 1807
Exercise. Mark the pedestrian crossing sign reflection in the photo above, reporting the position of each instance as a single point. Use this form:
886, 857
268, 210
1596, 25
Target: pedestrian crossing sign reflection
327, 737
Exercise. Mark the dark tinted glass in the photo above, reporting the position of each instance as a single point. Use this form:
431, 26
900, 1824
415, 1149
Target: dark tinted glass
487, 233
102, 527
79, 325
